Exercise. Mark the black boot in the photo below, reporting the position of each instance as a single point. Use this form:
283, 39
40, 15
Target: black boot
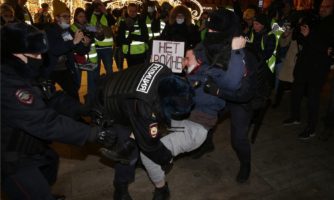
121, 153
121, 191
244, 172
161, 193
205, 148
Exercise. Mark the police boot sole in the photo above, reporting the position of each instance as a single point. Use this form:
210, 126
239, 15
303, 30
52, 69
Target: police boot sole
111, 155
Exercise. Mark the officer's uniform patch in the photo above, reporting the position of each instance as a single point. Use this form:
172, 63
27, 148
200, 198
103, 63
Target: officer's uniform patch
24, 96
154, 130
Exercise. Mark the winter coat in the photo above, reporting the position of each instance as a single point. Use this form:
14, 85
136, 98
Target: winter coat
313, 62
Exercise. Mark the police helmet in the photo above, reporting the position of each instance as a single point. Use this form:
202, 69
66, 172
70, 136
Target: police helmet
176, 96
20, 37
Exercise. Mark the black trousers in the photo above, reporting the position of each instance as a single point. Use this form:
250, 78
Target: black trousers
137, 59
32, 177
125, 174
313, 91
282, 87
329, 118
240, 121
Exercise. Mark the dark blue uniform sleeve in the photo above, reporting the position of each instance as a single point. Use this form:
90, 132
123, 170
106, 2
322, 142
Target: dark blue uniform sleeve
247, 89
231, 78
147, 133
24, 109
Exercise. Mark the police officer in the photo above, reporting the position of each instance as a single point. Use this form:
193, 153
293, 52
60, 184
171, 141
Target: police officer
29, 121
141, 100
133, 36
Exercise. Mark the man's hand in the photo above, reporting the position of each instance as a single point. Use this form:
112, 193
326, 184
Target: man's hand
104, 136
238, 43
78, 36
86, 40
211, 87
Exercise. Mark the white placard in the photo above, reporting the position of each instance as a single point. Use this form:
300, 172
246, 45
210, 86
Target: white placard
169, 53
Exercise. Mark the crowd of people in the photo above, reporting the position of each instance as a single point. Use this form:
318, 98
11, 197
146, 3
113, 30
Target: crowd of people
234, 62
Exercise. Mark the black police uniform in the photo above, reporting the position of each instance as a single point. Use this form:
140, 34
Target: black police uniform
132, 98
28, 125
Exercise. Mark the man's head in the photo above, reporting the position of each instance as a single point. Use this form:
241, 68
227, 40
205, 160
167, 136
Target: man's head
151, 8
45, 7
225, 22
132, 10
7, 13
248, 16
22, 38
25, 42
176, 96
189, 62
22, 2
326, 8
260, 23
61, 14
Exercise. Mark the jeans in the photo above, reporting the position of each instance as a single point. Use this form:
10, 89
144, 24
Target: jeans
104, 55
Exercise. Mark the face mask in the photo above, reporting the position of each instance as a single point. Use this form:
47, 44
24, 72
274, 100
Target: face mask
150, 9
190, 68
64, 25
34, 65
179, 20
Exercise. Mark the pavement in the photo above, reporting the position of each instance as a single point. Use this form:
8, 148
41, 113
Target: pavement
283, 167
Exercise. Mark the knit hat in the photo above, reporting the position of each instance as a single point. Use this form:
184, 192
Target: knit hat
59, 7
224, 21
262, 19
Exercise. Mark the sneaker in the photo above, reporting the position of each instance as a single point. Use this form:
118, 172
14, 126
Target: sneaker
244, 173
161, 193
306, 134
291, 121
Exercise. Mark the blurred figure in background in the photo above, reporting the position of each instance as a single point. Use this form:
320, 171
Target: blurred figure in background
133, 36
43, 16
180, 28
7, 14
312, 66
59, 60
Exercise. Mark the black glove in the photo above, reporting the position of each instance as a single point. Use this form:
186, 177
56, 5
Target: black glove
48, 88
211, 87
104, 136
100, 119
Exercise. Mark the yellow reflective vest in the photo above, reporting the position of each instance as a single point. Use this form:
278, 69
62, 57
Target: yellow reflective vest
103, 21
92, 55
272, 60
136, 47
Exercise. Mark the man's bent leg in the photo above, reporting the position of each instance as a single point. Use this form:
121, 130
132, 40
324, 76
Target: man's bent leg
185, 137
